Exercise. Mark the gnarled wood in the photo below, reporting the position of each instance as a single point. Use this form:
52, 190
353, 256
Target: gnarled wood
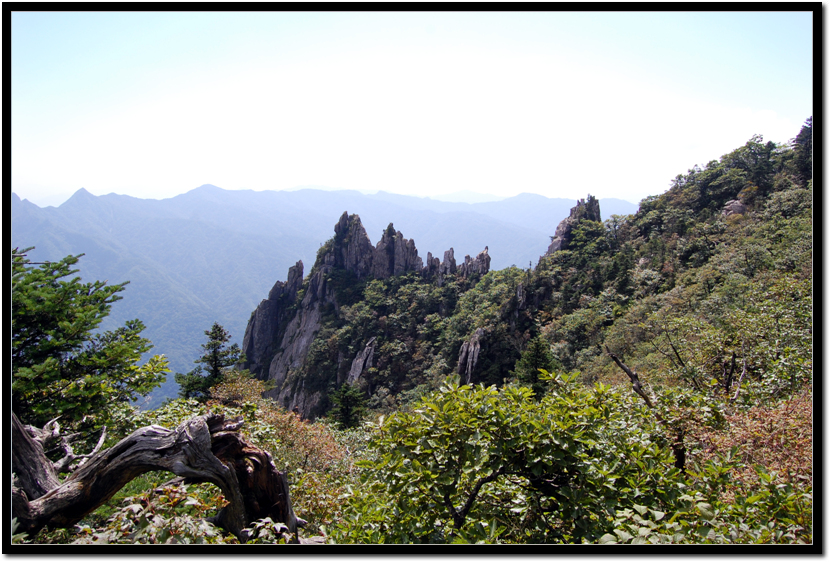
201, 449
34, 473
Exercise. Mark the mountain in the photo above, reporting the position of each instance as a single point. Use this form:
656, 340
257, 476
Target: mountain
210, 255
297, 313
466, 196
719, 265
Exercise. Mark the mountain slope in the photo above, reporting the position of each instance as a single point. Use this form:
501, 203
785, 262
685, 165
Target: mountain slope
210, 255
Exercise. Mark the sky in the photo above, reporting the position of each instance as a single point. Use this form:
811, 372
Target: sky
563, 104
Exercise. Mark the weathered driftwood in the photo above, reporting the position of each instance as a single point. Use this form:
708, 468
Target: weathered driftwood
202, 449
51, 439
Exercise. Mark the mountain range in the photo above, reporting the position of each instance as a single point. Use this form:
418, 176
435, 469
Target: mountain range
211, 255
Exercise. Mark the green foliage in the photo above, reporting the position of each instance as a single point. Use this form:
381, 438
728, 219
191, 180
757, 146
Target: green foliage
772, 513
349, 406
803, 152
169, 515
713, 311
59, 366
217, 358
473, 464
535, 359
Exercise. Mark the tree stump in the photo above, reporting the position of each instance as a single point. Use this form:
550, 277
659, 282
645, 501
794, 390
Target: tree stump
202, 449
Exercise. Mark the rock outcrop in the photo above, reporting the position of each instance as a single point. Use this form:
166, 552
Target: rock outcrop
394, 255
439, 270
480, 265
468, 355
283, 327
585, 209
362, 362
733, 207
353, 250
261, 334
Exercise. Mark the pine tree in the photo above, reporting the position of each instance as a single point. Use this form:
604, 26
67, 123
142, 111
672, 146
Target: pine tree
59, 367
349, 406
212, 365
536, 356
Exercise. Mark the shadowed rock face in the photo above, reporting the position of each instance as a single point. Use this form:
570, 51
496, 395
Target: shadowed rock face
585, 209
281, 329
259, 341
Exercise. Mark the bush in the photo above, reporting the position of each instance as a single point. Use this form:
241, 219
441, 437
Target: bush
472, 464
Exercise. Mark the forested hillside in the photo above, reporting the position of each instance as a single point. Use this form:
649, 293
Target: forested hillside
649, 380
210, 255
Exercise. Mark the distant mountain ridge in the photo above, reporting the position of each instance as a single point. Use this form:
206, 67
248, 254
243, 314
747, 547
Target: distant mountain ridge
212, 254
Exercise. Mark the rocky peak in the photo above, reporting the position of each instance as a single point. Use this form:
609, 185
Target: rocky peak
585, 209
260, 340
394, 255
480, 265
284, 326
290, 286
352, 248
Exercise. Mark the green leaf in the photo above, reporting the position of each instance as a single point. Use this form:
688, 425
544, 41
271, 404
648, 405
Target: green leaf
705, 510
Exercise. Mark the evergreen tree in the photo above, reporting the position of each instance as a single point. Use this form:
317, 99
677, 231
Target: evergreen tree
349, 406
213, 363
536, 356
803, 148
59, 368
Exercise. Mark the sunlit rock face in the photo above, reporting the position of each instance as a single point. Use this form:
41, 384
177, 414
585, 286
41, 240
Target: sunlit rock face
283, 327
585, 209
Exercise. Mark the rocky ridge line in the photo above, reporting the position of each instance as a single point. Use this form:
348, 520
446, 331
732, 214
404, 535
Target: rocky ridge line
281, 329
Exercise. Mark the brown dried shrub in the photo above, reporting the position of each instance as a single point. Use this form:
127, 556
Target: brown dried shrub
778, 436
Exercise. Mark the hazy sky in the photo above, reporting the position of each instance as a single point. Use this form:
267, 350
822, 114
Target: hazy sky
562, 104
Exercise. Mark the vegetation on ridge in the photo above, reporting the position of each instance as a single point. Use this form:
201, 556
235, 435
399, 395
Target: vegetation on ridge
651, 383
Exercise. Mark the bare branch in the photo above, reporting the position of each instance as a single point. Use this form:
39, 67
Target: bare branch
727, 383
741, 378
633, 376
678, 447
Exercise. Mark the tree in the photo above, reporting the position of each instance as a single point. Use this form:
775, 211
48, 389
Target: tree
59, 367
803, 148
537, 356
217, 358
349, 406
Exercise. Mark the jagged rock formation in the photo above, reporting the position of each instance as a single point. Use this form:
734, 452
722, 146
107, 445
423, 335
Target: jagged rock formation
468, 355
394, 255
352, 249
480, 265
259, 340
585, 209
283, 327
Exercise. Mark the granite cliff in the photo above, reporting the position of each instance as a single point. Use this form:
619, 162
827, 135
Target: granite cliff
283, 328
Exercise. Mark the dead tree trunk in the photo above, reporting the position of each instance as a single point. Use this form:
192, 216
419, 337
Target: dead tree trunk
202, 449
678, 446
